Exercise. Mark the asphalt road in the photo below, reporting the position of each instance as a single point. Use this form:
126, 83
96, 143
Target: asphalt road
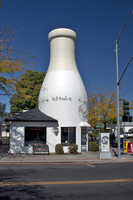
66, 181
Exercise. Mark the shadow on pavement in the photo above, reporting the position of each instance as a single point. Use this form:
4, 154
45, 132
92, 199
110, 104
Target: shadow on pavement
5, 198
33, 192
115, 154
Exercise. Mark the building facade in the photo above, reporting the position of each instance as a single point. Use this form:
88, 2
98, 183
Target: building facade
62, 97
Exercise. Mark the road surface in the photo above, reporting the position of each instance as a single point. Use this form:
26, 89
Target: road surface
66, 181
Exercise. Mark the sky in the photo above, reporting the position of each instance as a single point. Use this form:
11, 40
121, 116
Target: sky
97, 24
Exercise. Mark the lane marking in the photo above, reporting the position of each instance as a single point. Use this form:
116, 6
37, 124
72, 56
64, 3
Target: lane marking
90, 165
64, 182
60, 163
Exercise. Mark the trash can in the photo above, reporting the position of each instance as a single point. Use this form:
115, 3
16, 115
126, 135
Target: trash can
125, 146
130, 147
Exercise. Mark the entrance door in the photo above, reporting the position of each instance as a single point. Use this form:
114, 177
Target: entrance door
83, 139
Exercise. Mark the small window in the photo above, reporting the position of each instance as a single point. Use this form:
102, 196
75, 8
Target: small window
34, 135
68, 135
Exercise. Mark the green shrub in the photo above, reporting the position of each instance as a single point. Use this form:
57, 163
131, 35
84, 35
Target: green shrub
73, 148
93, 146
59, 149
91, 134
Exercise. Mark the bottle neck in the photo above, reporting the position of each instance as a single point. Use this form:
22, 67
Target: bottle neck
62, 54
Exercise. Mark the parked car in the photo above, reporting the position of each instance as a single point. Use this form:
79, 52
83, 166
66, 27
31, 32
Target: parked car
129, 134
126, 135
114, 143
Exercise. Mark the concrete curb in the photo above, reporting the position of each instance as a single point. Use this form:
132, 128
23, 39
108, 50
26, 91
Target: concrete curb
83, 158
64, 161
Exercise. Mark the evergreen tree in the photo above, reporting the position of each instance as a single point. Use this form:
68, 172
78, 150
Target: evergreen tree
28, 89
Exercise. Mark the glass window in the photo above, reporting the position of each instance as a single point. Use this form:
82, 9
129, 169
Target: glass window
34, 135
68, 135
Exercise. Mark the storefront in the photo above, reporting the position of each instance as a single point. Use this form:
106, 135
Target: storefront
30, 128
35, 128
62, 113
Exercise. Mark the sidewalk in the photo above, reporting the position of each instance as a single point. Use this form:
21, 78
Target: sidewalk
84, 157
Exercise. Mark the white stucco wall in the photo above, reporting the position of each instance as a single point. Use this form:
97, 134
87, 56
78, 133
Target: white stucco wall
63, 95
17, 136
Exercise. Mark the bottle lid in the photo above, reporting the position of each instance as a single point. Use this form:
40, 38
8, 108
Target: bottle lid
62, 32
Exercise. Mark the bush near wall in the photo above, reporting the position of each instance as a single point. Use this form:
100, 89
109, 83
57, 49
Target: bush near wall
93, 146
73, 148
59, 149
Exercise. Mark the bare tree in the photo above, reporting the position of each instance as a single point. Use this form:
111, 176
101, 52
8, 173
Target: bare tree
13, 62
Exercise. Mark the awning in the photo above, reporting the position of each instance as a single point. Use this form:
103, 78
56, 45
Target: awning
84, 124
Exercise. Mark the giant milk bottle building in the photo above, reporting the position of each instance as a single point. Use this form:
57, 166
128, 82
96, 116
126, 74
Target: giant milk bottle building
63, 95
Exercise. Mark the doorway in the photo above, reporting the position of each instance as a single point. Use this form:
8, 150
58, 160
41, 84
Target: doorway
83, 139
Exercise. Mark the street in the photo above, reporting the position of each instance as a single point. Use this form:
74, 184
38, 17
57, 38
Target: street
66, 181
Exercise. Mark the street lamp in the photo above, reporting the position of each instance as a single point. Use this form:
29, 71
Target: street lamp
118, 87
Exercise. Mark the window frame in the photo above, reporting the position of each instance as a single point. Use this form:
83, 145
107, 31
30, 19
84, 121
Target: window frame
68, 135
41, 131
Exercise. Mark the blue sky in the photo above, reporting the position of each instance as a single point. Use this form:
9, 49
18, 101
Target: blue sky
97, 24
